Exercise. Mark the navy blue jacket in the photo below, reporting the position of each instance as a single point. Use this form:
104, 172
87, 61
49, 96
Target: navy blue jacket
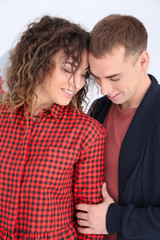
137, 216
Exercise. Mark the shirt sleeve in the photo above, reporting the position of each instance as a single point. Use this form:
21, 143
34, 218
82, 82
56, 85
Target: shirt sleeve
89, 174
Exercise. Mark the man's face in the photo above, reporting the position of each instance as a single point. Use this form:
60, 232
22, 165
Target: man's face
119, 77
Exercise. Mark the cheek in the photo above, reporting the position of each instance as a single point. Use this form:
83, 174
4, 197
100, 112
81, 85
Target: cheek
80, 86
82, 83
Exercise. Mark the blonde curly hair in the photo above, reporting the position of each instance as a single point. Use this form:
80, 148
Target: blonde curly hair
31, 59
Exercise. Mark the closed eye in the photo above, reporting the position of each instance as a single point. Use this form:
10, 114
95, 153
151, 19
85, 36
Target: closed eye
114, 79
67, 71
86, 75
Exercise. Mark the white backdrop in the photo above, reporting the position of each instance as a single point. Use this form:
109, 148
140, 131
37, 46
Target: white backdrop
15, 15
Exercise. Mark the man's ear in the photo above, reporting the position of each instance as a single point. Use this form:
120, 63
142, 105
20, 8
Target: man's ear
144, 60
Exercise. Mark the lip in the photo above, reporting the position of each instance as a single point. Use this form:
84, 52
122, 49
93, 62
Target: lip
68, 93
114, 96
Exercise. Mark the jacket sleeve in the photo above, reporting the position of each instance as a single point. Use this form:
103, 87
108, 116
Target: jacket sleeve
133, 222
142, 222
89, 173
91, 109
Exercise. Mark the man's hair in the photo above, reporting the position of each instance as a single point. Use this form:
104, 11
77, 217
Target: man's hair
118, 30
32, 58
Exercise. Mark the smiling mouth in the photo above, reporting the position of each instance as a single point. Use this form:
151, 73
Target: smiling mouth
113, 96
69, 92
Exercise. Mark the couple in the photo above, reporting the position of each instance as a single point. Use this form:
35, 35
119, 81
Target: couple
53, 155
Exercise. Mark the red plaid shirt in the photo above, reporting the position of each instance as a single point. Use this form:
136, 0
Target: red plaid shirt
47, 164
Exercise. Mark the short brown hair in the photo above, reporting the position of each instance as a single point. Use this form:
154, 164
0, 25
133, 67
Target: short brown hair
118, 30
31, 59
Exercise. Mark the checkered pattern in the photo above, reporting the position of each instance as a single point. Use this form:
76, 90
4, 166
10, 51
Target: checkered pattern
47, 164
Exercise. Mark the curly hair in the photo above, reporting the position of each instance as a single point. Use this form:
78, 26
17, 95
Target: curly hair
31, 59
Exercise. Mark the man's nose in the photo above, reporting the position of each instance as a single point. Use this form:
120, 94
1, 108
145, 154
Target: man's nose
106, 87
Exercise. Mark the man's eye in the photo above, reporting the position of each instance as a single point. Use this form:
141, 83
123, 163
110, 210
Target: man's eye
114, 79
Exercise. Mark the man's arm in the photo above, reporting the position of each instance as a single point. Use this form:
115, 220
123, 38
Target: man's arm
132, 222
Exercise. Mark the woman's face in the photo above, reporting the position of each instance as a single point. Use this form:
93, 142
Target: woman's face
59, 86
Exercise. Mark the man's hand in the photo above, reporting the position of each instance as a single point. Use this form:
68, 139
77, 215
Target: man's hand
93, 217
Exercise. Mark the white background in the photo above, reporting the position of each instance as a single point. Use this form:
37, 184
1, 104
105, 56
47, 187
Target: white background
15, 15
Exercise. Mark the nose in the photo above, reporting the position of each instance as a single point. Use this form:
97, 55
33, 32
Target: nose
106, 86
76, 82
72, 83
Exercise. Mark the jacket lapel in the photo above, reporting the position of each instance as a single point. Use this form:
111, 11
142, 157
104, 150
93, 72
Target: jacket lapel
100, 108
135, 140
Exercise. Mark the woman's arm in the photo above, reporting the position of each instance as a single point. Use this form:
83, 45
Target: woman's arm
89, 173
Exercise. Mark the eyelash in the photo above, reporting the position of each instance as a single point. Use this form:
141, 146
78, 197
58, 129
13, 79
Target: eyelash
67, 71
83, 75
114, 80
86, 75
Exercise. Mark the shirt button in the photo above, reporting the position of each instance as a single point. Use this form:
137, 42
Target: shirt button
36, 119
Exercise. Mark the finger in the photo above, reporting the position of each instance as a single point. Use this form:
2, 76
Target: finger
82, 215
82, 207
85, 230
83, 223
104, 191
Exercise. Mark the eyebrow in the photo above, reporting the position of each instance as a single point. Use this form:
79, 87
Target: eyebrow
114, 75
110, 76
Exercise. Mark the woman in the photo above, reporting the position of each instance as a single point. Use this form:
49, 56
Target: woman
52, 154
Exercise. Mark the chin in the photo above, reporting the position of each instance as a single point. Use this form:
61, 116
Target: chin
64, 103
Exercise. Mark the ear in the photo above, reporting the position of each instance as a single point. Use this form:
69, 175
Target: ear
144, 60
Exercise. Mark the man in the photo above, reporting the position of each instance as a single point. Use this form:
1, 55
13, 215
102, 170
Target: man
130, 112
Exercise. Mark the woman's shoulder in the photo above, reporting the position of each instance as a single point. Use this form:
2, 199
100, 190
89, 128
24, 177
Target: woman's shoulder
4, 112
3, 108
88, 123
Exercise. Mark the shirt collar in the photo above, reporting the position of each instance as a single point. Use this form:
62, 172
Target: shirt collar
56, 110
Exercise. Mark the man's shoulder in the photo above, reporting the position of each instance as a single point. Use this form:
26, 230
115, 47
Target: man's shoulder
98, 104
100, 101
99, 108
